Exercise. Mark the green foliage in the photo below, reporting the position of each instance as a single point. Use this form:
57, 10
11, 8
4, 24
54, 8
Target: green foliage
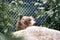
53, 19
9, 37
5, 20
53, 11
10, 11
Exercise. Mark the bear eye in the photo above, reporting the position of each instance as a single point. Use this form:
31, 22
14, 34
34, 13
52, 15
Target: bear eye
29, 19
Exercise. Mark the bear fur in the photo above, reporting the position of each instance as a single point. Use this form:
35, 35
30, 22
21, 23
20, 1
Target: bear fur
37, 33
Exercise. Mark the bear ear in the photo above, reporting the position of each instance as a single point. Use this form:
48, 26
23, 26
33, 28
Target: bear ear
20, 16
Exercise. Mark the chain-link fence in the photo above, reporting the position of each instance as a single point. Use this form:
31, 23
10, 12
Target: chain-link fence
26, 8
45, 13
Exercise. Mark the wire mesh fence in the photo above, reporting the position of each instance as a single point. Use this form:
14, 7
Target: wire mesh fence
26, 8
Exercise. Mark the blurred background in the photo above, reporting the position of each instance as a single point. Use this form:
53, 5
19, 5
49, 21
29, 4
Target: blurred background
45, 12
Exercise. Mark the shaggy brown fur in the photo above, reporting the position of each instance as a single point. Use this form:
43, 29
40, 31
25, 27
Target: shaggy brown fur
25, 22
